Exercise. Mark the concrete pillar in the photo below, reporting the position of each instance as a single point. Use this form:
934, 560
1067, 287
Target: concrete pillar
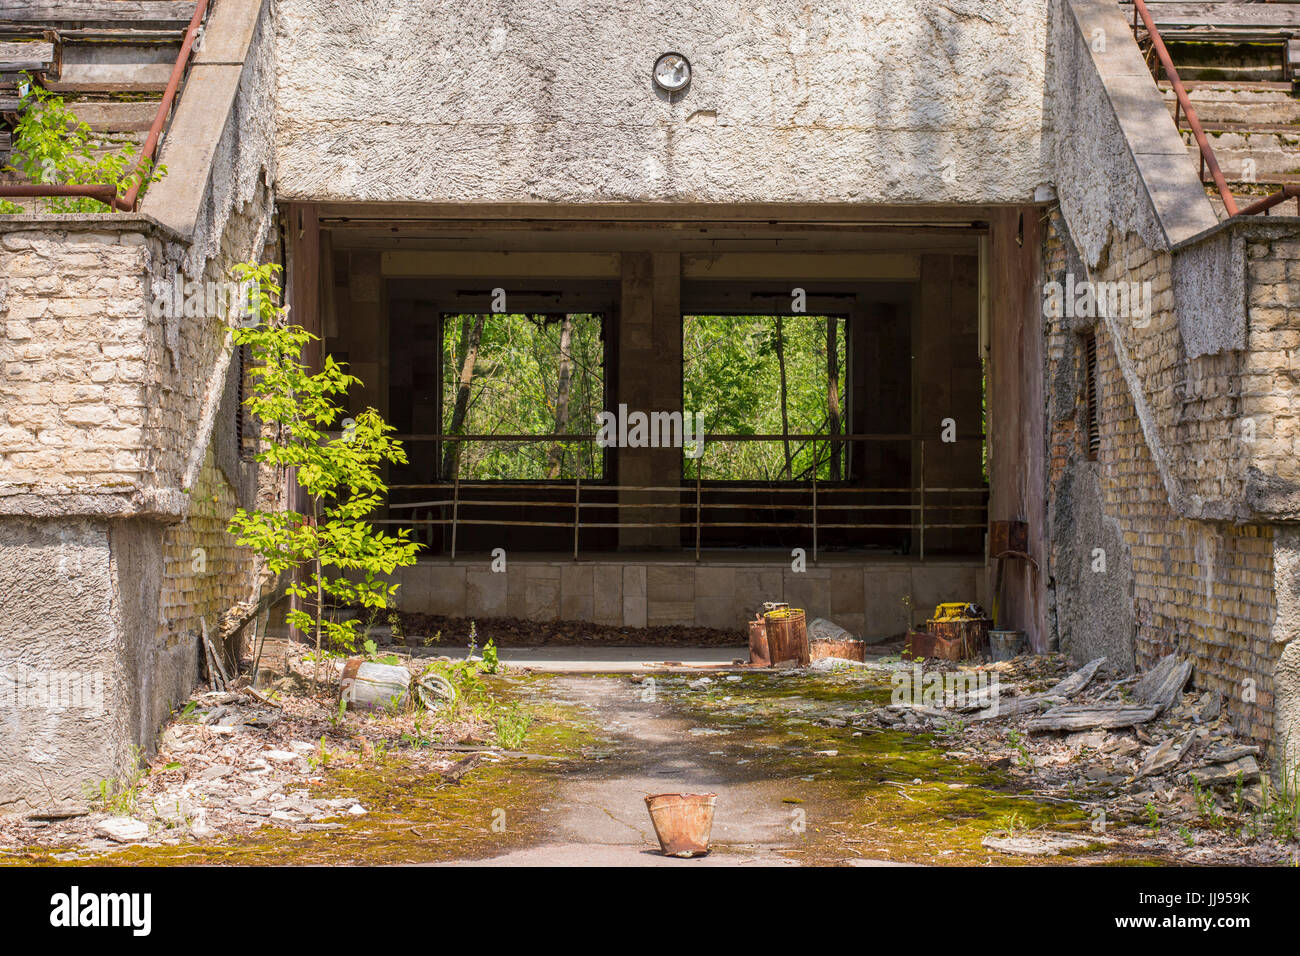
649, 380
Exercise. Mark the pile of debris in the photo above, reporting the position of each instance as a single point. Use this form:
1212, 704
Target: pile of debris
1131, 750
233, 761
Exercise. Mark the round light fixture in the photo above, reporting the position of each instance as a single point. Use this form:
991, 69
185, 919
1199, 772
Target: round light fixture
672, 72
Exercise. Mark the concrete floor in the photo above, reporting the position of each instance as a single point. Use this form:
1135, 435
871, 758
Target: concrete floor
616, 660
600, 819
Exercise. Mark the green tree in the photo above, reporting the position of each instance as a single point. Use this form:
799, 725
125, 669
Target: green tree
52, 147
331, 551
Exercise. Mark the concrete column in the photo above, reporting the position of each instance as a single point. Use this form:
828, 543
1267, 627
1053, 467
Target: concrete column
650, 380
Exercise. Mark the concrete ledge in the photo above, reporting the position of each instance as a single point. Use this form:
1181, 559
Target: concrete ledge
1120, 159
873, 598
202, 116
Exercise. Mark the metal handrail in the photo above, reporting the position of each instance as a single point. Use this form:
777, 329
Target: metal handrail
1207, 152
1185, 102
106, 192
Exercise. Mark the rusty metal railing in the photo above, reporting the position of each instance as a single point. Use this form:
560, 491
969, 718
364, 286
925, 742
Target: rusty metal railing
822, 503
106, 192
1184, 104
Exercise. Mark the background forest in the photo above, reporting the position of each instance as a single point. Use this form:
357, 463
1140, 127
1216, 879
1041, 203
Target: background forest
543, 375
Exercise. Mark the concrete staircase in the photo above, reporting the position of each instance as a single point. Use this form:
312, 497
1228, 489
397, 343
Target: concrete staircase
1236, 63
110, 60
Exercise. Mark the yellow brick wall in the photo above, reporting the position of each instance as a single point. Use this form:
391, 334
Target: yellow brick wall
193, 591
1202, 588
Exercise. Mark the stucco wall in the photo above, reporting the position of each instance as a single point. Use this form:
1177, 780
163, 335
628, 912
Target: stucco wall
508, 101
118, 464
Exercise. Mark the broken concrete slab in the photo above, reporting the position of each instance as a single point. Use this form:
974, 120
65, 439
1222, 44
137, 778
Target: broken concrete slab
122, 830
1043, 844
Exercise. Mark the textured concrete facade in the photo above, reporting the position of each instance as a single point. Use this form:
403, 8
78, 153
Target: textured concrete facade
863, 101
118, 462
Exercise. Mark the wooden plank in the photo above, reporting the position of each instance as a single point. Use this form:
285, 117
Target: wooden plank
1169, 13
25, 56
169, 13
1090, 716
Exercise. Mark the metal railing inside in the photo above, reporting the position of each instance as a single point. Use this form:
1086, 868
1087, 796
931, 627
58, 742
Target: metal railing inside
815, 506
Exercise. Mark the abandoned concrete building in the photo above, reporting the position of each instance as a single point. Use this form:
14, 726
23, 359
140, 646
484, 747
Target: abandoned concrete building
1066, 283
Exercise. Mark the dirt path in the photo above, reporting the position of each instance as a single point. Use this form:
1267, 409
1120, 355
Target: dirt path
600, 809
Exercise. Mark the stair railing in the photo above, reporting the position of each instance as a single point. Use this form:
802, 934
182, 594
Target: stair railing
107, 193
1184, 103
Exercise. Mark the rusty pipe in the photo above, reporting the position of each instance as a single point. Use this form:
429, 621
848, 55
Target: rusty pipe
1167, 64
105, 192
1268, 202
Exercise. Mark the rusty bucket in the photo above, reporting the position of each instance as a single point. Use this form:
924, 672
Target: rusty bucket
758, 653
787, 635
683, 822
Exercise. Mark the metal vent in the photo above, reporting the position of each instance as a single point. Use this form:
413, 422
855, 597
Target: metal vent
1092, 430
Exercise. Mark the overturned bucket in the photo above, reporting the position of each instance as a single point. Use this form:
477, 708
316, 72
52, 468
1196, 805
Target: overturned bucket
683, 822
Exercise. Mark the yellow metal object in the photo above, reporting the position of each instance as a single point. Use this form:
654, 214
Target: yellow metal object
783, 613
957, 611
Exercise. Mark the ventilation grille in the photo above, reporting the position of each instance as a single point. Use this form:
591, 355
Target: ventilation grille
1092, 431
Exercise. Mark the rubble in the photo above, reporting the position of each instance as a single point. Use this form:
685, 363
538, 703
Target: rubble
234, 761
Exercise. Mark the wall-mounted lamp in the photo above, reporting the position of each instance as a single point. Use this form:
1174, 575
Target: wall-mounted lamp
672, 72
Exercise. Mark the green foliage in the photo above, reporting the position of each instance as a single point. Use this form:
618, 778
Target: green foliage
731, 375
119, 797
491, 660
51, 146
515, 392
512, 725
336, 555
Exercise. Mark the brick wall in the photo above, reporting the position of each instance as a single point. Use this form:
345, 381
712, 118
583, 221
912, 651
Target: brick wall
73, 361
1199, 587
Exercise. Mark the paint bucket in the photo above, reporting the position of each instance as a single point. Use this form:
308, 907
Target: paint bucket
758, 653
683, 822
787, 635
366, 685
1005, 644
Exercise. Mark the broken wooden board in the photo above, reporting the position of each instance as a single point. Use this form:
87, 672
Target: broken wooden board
1073, 683
1012, 706
16, 57
175, 14
1043, 844
1090, 716
1165, 756
1161, 686
1226, 773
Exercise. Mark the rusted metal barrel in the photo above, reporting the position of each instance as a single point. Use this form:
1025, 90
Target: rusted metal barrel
787, 635
683, 822
758, 652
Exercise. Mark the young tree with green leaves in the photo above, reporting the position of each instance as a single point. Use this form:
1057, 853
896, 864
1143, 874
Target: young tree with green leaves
332, 552
51, 146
